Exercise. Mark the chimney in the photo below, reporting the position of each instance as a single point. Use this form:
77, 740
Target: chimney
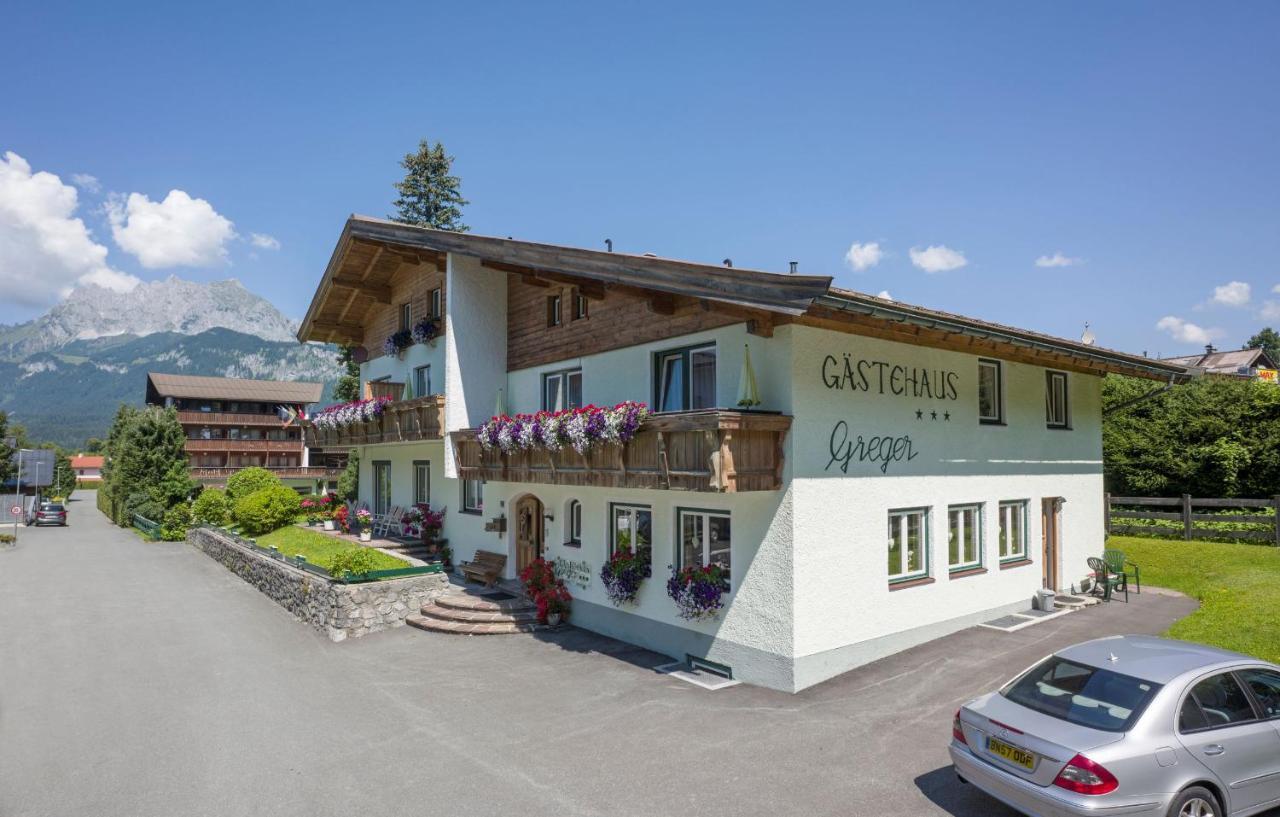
794, 264
728, 262
1208, 349
608, 242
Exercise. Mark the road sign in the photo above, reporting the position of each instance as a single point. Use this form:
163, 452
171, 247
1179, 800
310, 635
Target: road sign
16, 510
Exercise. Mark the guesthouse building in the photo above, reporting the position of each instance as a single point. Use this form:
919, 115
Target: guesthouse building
866, 475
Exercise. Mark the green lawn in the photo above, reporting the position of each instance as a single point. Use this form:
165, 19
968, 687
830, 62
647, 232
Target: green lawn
1238, 586
320, 549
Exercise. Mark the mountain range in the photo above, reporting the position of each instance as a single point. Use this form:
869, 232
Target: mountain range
66, 372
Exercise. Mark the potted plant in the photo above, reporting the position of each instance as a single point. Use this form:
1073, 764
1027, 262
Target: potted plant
446, 556
397, 342
364, 521
339, 520
698, 591
309, 508
553, 604
623, 574
426, 331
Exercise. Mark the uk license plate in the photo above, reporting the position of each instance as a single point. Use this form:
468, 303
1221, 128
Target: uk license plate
1015, 755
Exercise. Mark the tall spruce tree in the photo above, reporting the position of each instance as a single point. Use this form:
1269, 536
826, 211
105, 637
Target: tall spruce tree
347, 388
429, 195
8, 463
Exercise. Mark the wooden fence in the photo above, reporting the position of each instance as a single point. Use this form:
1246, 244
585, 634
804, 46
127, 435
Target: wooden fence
1193, 517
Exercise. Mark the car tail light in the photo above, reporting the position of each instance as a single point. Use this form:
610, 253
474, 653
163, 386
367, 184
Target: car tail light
1082, 776
957, 731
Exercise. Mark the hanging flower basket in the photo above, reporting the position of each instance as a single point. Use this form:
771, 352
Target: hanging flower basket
552, 431
623, 574
397, 342
426, 331
698, 591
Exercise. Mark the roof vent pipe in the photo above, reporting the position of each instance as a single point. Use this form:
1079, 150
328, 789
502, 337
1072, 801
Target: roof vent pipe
728, 262
608, 242
794, 264
1208, 349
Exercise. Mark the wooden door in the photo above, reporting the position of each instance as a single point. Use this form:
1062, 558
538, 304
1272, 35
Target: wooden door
528, 531
1050, 539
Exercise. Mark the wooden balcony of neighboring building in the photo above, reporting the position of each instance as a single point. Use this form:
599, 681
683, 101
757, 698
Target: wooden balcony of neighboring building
245, 446
713, 450
402, 421
226, 418
219, 475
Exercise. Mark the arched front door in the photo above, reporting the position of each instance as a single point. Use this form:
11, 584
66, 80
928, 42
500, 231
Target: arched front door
528, 531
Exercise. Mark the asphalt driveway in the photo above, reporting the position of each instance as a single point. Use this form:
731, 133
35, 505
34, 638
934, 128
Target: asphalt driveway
145, 679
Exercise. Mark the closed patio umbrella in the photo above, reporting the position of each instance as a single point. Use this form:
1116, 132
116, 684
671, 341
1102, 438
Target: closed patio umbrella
748, 392
408, 389
499, 405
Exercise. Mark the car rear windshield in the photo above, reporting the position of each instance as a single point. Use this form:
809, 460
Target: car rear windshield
50, 507
1083, 695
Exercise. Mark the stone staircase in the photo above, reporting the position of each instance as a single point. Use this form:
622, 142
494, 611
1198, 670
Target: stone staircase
465, 612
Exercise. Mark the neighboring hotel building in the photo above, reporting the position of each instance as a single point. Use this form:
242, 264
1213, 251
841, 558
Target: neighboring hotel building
908, 472
233, 423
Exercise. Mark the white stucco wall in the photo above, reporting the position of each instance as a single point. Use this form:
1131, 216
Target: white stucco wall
401, 370
475, 345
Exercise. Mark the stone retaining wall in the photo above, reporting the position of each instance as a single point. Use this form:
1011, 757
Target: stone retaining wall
338, 610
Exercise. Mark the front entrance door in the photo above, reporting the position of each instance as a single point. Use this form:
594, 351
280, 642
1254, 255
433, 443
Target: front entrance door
1050, 536
528, 531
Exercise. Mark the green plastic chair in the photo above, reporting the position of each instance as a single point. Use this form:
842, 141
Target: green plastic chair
1108, 581
1116, 563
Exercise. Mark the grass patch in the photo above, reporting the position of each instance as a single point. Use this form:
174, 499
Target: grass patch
320, 549
1238, 586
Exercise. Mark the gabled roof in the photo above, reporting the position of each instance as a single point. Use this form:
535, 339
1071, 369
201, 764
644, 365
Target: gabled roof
87, 461
1236, 361
231, 388
370, 251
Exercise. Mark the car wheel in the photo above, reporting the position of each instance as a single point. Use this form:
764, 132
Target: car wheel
1196, 802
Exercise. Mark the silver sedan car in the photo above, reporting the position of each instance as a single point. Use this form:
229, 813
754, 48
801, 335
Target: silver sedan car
1130, 725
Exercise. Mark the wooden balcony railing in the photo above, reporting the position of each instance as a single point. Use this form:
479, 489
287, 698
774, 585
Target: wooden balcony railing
421, 418
242, 446
206, 474
715, 450
383, 388
226, 418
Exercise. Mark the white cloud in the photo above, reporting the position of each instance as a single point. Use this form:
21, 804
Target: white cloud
884, 293
1058, 260
177, 232
86, 182
1270, 311
937, 259
264, 241
1276, 289
1185, 331
862, 257
44, 249
1235, 293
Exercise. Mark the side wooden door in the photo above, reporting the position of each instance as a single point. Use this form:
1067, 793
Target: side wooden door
528, 531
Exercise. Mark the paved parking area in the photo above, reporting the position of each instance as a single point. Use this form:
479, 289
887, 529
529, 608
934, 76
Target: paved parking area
144, 679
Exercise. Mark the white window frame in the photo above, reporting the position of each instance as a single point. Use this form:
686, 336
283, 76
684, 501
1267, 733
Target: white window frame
437, 303
996, 419
706, 515
1006, 548
684, 356
632, 510
904, 573
1057, 416
381, 494
562, 377
959, 528
406, 315
472, 496
421, 481
555, 310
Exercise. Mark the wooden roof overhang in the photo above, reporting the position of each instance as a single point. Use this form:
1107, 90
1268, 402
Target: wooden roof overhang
370, 251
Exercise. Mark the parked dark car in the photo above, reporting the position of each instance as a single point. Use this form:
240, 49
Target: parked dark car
51, 513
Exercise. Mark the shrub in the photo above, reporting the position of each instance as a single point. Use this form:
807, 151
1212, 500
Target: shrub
265, 510
176, 523
212, 507
356, 561
142, 504
250, 481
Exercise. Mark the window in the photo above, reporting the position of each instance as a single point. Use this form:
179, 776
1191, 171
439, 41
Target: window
553, 310
422, 381
631, 527
1265, 686
1013, 531
579, 306
990, 393
1055, 399
1083, 695
685, 379
562, 390
1218, 701
573, 524
705, 539
964, 537
472, 496
908, 544
421, 482
437, 303
381, 486
406, 316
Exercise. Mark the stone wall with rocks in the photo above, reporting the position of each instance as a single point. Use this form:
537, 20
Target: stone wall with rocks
338, 610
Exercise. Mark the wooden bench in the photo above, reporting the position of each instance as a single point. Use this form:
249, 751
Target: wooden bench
486, 568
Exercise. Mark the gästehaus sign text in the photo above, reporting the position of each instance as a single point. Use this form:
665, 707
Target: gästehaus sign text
854, 374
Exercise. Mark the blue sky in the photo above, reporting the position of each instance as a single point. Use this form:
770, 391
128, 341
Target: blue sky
1139, 141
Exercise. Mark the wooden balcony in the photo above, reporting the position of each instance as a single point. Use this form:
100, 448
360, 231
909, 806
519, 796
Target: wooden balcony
245, 446
402, 421
716, 450
219, 475
225, 418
